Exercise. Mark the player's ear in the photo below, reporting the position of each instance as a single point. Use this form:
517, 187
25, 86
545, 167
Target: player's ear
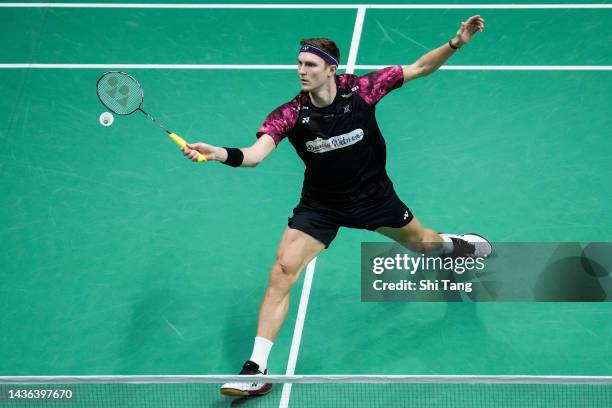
332, 69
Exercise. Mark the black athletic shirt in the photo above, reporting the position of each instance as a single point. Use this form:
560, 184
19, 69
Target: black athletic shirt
341, 144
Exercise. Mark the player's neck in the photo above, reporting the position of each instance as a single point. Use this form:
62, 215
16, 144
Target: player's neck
324, 95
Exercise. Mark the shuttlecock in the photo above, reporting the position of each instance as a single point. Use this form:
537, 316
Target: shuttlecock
106, 119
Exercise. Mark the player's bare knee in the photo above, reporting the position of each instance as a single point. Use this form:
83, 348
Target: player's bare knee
414, 240
284, 271
287, 265
413, 246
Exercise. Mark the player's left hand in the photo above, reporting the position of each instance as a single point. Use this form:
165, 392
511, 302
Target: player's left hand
467, 30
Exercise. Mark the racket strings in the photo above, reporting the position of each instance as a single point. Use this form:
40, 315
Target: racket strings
120, 93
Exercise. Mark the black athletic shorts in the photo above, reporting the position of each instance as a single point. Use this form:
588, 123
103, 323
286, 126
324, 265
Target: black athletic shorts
322, 221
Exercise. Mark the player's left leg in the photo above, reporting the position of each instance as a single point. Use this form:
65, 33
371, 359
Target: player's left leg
394, 219
416, 238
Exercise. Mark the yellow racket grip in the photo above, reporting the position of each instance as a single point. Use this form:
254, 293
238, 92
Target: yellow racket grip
182, 143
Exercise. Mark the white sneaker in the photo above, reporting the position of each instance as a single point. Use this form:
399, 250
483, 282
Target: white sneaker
469, 245
254, 389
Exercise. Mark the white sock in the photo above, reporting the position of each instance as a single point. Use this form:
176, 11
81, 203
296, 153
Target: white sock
261, 351
447, 246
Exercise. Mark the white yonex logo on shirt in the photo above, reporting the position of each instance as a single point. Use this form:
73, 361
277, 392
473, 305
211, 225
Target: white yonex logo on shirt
347, 109
306, 120
406, 215
337, 142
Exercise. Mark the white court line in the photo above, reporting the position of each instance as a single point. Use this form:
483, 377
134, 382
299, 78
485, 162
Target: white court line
293, 66
297, 332
148, 66
510, 67
352, 58
308, 6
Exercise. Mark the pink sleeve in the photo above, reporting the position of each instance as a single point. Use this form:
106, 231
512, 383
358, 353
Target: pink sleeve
280, 121
374, 85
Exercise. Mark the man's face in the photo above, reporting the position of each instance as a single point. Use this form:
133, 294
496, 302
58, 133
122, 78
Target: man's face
314, 72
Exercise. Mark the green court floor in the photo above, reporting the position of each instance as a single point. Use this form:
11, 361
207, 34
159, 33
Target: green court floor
122, 257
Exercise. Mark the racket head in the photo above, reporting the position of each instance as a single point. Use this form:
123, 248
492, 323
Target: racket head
119, 92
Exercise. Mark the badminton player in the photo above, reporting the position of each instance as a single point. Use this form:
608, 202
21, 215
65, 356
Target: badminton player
332, 125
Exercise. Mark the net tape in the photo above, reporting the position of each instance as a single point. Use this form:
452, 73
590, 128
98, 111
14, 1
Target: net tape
312, 379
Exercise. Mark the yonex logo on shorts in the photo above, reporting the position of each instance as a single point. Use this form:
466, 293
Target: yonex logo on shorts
337, 142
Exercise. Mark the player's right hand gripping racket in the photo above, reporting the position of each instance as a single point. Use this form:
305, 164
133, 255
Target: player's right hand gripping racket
122, 94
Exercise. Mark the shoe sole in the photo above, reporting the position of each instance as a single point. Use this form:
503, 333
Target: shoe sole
478, 235
234, 392
488, 242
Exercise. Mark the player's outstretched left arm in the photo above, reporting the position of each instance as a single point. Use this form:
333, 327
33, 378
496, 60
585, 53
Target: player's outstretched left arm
434, 59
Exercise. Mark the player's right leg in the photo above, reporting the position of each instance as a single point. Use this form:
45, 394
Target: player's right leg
295, 251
